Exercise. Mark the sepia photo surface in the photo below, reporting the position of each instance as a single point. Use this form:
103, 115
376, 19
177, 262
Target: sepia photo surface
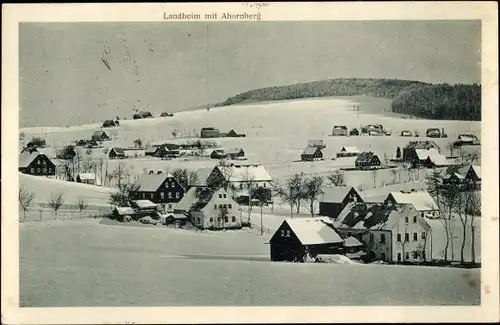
246, 156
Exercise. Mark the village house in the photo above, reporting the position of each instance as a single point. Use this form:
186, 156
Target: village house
88, 178
123, 214
116, 153
473, 174
311, 154
467, 140
339, 130
406, 133
433, 133
434, 159
422, 201
209, 132
145, 208
354, 132
466, 177
298, 239
232, 134
348, 152
161, 189
453, 178
367, 160
36, 163
218, 154
410, 150
390, 233
316, 143
176, 219
110, 123
155, 151
209, 208
242, 179
334, 199
354, 248
235, 153
100, 136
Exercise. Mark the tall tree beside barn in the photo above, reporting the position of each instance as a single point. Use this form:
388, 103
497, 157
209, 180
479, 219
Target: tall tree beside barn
398, 153
450, 195
260, 194
472, 208
313, 188
26, 199
296, 185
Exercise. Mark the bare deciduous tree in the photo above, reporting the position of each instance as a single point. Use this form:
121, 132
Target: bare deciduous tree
313, 188
25, 200
56, 201
337, 178
81, 205
124, 194
119, 173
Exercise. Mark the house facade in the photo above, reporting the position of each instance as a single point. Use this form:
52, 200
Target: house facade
88, 178
298, 239
116, 153
218, 154
339, 130
155, 151
36, 163
347, 151
311, 154
235, 153
100, 136
354, 132
390, 233
162, 189
335, 199
209, 208
209, 132
367, 160
421, 200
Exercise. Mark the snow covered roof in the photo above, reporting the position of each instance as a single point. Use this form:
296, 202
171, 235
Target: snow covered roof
424, 153
477, 170
372, 216
26, 158
145, 204
150, 183
341, 127
421, 200
152, 149
310, 150
365, 156
312, 231
187, 200
352, 242
87, 176
422, 144
350, 149
118, 150
233, 151
335, 193
457, 175
125, 210
203, 174
242, 173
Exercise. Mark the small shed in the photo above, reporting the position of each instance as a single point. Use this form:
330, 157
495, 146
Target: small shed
311, 154
121, 213
88, 178
354, 132
116, 153
352, 245
177, 219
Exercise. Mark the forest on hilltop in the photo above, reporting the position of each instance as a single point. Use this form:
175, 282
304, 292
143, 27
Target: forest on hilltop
432, 101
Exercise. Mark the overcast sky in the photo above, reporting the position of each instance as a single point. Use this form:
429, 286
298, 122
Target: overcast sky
166, 66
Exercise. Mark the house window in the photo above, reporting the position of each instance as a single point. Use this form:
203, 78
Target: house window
50, 170
406, 220
399, 257
407, 256
264, 185
423, 235
382, 256
211, 219
162, 195
220, 196
199, 220
170, 206
143, 195
241, 186
39, 161
415, 236
45, 170
415, 255
233, 219
215, 206
282, 233
169, 195
382, 238
38, 170
415, 218
226, 219
399, 238
172, 184
372, 238
230, 206
349, 234
407, 237
224, 195
177, 195
288, 233
152, 195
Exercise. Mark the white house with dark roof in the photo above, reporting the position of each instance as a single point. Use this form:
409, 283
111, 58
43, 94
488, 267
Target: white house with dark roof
390, 233
297, 238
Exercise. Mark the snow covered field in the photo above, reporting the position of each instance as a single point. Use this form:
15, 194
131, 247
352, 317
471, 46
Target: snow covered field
277, 132
84, 263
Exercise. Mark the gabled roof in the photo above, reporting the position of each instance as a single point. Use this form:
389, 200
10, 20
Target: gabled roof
335, 194
312, 231
99, 133
343, 127
365, 156
421, 200
424, 153
150, 183
477, 170
26, 158
439, 160
118, 150
372, 216
203, 174
421, 144
87, 176
350, 149
242, 173
310, 150
124, 210
457, 175
219, 151
234, 151
152, 149
352, 242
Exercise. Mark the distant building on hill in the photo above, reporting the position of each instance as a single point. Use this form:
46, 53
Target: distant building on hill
347, 151
316, 143
410, 153
218, 154
36, 163
367, 160
116, 153
311, 154
339, 130
209, 132
100, 136
235, 153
